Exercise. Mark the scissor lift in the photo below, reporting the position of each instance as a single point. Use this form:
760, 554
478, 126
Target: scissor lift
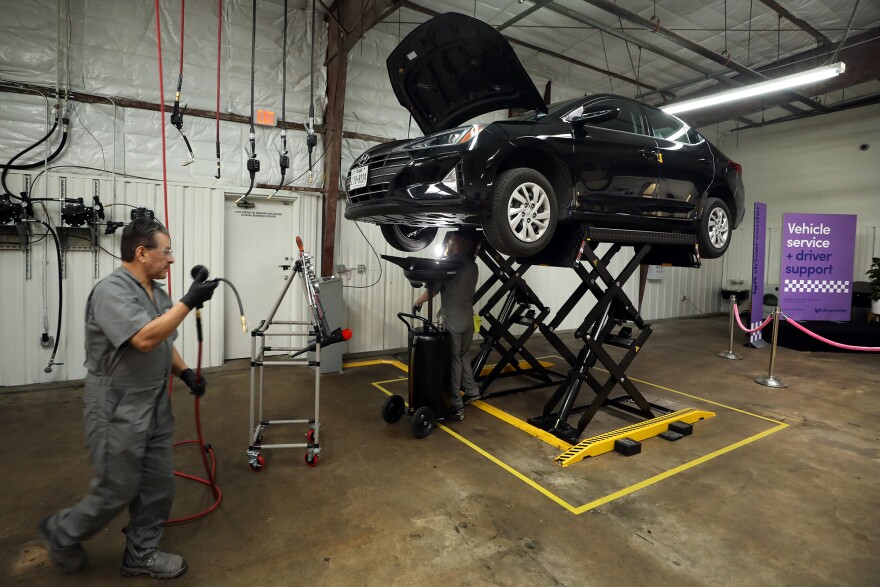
613, 321
316, 328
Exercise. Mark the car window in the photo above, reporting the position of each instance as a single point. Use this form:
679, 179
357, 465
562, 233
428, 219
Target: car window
629, 119
693, 137
667, 127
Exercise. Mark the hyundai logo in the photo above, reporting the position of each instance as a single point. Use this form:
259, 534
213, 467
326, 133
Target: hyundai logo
362, 160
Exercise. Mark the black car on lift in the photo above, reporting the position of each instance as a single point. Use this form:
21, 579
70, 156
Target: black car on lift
602, 160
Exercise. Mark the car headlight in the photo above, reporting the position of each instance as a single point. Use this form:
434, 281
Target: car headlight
458, 136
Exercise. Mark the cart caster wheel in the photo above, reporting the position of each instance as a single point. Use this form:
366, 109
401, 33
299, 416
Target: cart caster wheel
257, 463
423, 422
311, 460
310, 436
393, 409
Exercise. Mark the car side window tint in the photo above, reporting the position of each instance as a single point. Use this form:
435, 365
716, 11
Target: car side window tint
629, 119
666, 127
693, 138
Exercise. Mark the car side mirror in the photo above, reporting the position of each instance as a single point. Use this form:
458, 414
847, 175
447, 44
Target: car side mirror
595, 115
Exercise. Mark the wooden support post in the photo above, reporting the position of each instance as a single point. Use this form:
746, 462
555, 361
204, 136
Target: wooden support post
347, 26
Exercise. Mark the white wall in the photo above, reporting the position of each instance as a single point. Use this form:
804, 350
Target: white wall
812, 165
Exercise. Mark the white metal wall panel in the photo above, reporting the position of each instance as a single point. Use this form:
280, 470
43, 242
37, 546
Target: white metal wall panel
196, 228
364, 296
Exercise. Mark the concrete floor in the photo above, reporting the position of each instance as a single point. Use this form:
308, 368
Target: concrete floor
486, 505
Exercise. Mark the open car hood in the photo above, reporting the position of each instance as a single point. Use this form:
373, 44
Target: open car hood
453, 68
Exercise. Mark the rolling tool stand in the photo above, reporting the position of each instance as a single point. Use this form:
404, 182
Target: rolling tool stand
430, 348
323, 336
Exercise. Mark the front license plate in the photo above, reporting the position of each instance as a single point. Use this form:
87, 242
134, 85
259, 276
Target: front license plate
358, 177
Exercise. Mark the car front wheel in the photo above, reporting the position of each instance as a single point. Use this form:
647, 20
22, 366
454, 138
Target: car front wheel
715, 229
408, 239
524, 213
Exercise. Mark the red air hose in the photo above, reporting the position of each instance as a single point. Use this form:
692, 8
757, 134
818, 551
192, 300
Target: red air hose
219, 32
203, 448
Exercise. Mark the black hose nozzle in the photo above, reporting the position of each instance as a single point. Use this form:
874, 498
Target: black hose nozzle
199, 273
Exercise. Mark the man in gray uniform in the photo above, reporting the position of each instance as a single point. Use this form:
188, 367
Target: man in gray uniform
130, 327
457, 312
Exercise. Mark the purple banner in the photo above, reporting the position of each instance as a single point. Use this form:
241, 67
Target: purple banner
758, 248
816, 271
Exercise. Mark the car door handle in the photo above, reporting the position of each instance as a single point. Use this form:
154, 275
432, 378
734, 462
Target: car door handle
703, 161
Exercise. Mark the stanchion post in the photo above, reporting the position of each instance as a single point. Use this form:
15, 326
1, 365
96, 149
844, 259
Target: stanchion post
771, 380
729, 353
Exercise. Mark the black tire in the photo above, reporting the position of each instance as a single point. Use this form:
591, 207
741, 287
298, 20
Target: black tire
715, 230
423, 422
517, 194
393, 409
408, 239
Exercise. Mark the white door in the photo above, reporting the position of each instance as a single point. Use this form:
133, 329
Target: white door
259, 241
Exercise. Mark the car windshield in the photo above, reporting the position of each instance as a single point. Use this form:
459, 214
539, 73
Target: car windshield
556, 109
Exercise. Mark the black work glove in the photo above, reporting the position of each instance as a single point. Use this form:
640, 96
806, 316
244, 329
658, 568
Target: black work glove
199, 293
188, 376
417, 308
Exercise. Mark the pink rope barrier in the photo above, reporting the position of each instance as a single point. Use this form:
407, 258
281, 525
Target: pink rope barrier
870, 349
746, 330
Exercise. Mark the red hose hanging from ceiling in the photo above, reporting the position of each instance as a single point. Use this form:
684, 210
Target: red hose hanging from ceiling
219, 32
162, 124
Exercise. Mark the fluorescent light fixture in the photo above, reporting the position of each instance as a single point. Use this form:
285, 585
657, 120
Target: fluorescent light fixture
773, 85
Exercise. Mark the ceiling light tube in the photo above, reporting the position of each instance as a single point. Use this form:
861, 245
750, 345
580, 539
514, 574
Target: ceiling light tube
773, 85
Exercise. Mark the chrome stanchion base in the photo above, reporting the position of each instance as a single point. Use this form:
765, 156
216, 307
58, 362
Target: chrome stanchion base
771, 381
730, 355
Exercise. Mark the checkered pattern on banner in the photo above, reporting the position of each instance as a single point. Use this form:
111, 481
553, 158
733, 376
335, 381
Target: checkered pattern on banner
816, 285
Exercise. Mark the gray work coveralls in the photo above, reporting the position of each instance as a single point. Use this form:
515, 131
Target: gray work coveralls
457, 312
127, 419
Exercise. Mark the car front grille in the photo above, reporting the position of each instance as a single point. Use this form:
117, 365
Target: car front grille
382, 169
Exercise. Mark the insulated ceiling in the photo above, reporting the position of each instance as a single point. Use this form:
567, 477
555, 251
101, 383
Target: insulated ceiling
596, 46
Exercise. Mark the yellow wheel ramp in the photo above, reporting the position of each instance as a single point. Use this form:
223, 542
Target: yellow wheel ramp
524, 365
597, 445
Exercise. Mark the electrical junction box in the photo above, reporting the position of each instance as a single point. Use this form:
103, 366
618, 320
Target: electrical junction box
656, 272
331, 299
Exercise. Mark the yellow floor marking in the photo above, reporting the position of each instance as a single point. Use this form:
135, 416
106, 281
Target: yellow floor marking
651, 480
577, 510
402, 366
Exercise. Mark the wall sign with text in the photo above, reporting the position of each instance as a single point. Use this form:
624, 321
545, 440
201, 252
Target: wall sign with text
816, 271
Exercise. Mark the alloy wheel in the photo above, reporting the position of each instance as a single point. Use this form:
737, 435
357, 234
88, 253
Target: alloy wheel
719, 228
528, 212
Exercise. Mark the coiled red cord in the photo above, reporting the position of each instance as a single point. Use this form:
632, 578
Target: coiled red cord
211, 469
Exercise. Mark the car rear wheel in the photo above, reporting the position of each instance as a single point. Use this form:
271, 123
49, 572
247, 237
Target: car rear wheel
715, 228
524, 213
408, 239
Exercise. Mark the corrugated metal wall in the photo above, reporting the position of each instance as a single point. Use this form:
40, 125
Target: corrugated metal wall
371, 311
196, 223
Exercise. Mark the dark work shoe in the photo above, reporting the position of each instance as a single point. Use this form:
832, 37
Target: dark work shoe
470, 398
457, 414
159, 565
69, 559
